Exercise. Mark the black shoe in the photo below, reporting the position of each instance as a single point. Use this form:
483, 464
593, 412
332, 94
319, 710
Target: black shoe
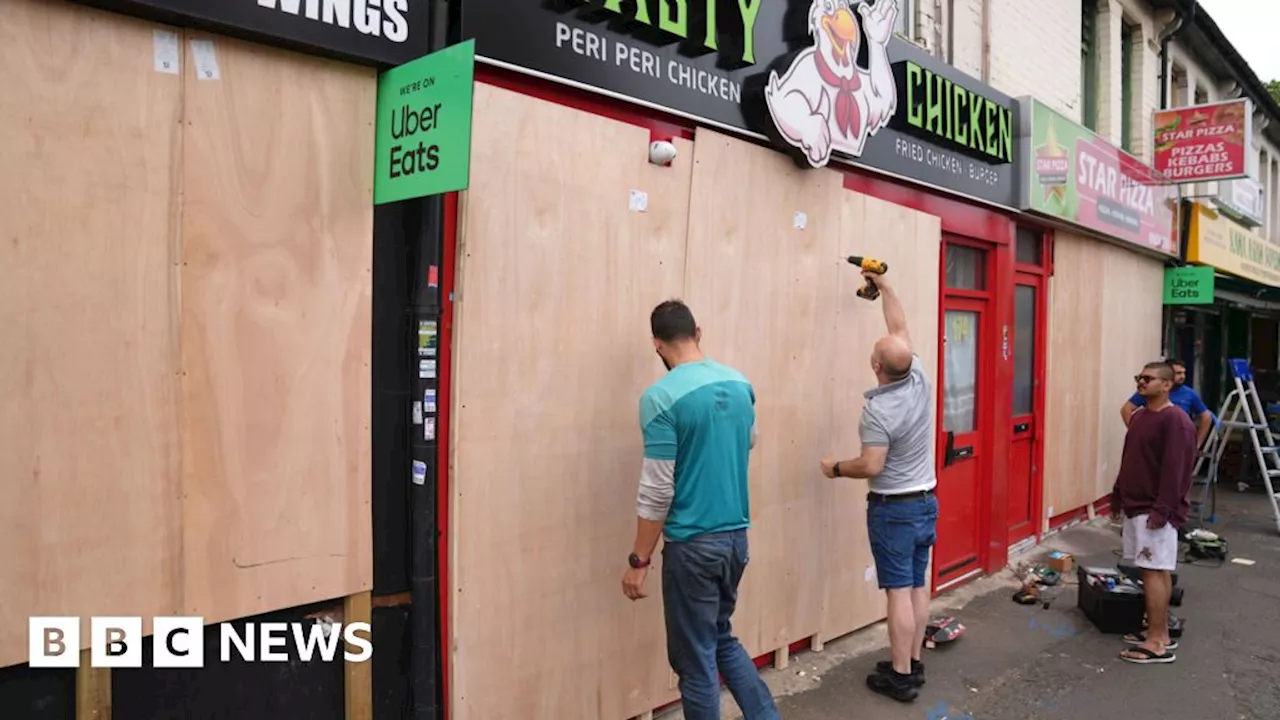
884, 667
893, 685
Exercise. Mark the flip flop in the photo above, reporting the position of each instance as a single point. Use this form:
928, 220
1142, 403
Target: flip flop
1149, 657
1139, 638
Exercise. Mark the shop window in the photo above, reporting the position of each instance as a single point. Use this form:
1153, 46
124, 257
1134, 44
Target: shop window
1030, 247
1127, 34
906, 26
960, 381
1089, 64
966, 268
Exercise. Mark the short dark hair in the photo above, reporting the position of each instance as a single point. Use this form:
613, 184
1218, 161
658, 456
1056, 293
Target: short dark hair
1171, 362
671, 321
1165, 368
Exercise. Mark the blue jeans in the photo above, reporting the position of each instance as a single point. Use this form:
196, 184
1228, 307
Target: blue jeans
902, 533
699, 591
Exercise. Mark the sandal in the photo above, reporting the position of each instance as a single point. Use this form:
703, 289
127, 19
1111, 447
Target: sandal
1148, 656
1139, 638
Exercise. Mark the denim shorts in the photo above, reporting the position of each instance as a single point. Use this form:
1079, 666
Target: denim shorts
902, 532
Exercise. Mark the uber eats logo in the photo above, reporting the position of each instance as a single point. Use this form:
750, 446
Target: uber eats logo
423, 142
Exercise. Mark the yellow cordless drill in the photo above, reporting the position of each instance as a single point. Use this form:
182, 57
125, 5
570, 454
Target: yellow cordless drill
871, 265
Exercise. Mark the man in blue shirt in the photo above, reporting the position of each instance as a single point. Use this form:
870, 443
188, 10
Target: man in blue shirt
699, 426
1182, 396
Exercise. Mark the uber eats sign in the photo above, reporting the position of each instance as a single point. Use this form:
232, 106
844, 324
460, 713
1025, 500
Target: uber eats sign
1190, 285
423, 141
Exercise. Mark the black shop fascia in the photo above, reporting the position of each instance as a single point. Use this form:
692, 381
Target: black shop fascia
746, 67
377, 33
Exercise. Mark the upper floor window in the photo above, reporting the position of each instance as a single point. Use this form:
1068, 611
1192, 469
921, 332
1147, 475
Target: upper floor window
1089, 64
1128, 45
906, 22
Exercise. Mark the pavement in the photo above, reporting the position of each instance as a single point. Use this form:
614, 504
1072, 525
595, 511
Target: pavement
1017, 662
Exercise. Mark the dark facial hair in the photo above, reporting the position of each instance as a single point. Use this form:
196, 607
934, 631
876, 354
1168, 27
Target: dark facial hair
664, 361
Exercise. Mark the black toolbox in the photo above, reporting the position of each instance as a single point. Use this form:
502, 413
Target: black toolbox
1110, 612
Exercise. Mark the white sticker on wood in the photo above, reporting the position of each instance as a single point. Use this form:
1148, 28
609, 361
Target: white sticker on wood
164, 47
206, 59
801, 220
639, 201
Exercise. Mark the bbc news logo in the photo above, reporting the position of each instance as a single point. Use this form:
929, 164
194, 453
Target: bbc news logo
179, 642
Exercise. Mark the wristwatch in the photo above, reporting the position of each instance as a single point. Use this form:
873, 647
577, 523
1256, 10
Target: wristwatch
636, 562
836, 469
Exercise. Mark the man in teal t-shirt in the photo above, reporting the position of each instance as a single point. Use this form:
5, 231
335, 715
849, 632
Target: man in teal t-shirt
1182, 396
699, 426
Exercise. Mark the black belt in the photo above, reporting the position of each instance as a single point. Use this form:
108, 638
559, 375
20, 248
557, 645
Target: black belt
881, 497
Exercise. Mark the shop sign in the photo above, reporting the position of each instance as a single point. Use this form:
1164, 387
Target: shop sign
423, 141
1073, 175
1215, 240
1243, 200
1191, 285
375, 32
1204, 142
878, 102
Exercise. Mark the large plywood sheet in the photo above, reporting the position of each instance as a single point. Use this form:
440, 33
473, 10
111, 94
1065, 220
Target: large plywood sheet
909, 242
277, 233
556, 282
764, 289
89, 134
1104, 324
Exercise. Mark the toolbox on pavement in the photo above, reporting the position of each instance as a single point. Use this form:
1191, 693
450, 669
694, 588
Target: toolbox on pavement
1112, 602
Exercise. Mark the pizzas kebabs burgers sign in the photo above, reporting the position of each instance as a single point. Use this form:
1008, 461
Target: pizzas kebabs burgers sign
1204, 142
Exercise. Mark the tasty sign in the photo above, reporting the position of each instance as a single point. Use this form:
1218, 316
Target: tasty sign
1204, 142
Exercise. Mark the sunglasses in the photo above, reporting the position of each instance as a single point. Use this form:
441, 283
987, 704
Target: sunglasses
1144, 379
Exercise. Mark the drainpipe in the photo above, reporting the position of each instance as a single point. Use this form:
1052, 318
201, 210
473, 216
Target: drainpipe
1175, 28
425, 641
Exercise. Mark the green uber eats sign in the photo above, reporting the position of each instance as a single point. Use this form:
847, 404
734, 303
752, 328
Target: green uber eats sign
423, 141
1191, 285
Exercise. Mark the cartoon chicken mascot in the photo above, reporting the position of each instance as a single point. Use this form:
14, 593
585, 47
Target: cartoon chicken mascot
825, 102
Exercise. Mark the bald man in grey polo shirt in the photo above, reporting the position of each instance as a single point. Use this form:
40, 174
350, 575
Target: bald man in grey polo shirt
902, 510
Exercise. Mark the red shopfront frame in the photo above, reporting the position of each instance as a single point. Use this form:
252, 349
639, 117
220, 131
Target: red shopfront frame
959, 218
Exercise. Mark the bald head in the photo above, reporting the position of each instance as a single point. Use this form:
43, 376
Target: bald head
893, 355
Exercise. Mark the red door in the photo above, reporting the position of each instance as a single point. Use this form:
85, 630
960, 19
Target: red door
964, 377
1024, 474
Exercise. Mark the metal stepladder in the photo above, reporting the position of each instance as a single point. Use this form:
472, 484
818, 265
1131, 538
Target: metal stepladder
1243, 399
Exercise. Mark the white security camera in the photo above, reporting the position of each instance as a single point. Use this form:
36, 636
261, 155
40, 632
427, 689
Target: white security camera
661, 152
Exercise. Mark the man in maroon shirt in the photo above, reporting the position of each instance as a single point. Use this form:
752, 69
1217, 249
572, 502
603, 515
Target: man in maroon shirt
1151, 495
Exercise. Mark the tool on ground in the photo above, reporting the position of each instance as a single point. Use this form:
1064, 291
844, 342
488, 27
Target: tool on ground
1244, 398
871, 265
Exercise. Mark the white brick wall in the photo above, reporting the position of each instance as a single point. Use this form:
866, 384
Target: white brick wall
1035, 50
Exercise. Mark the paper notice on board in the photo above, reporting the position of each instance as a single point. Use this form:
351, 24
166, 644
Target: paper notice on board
164, 46
428, 428
417, 413
419, 472
206, 60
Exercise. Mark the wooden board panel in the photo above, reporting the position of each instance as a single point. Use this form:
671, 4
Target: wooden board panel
89, 135
1104, 324
909, 242
765, 295
1132, 309
556, 283
276, 294
1073, 368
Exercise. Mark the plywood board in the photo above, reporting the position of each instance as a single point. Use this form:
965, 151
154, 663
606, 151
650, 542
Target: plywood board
277, 234
910, 243
1104, 324
765, 294
1132, 310
556, 281
89, 140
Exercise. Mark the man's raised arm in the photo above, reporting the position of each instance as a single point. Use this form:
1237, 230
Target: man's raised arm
894, 316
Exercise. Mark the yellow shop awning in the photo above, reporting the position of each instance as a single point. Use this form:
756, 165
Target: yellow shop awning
1230, 247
